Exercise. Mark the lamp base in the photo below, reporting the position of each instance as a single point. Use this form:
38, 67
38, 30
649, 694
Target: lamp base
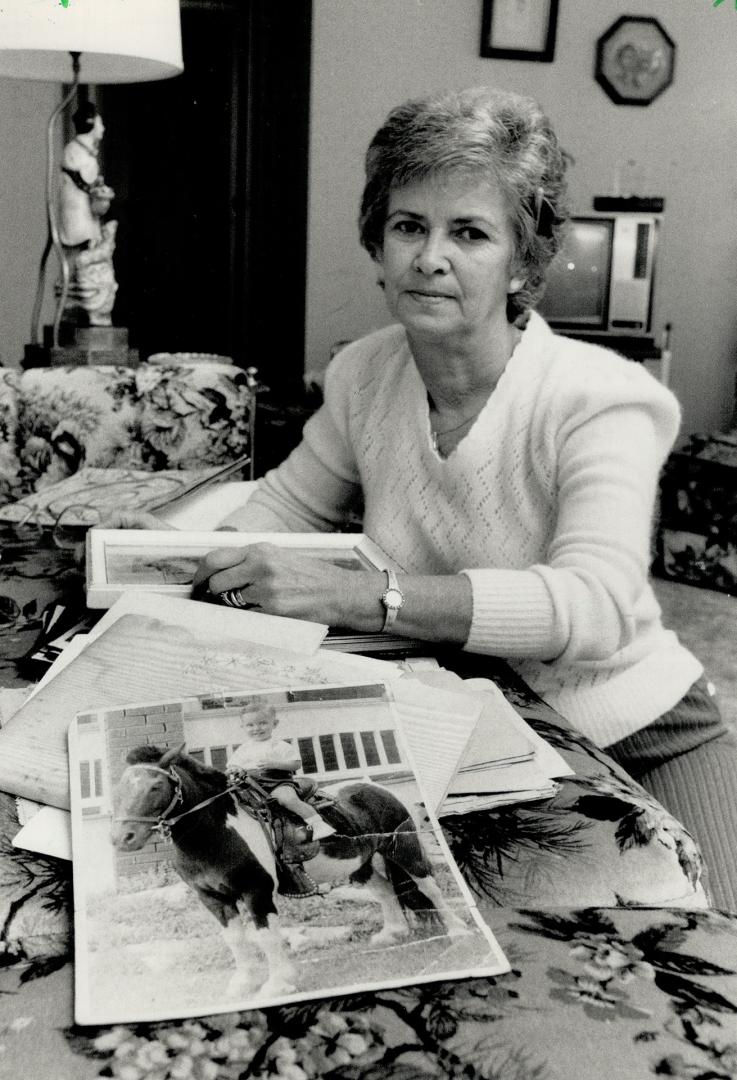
82, 345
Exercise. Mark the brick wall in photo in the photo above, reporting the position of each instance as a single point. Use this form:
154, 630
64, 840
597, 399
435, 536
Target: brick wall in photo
149, 725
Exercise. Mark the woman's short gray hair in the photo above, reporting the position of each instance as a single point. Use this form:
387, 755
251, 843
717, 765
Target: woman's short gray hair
481, 132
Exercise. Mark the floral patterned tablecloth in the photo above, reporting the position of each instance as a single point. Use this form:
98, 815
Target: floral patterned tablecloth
594, 994
618, 969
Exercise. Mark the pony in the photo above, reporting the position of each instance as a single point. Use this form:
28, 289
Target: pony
224, 854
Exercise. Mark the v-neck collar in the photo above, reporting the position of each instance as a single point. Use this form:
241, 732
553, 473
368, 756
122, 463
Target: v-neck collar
494, 401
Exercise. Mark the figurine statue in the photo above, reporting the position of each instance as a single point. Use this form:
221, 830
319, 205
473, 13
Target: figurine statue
88, 243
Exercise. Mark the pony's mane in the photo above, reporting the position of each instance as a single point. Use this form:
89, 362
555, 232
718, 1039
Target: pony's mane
204, 775
212, 780
148, 754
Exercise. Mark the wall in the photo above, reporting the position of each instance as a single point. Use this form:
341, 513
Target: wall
24, 111
369, 55
149, 725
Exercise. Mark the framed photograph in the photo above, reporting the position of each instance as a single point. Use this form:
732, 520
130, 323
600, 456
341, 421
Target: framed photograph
119, 561
519, 29
635, 60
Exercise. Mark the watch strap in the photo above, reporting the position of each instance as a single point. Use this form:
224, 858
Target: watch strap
392, 598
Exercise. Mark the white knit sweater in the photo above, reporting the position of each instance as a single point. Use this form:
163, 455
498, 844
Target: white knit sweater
546, 505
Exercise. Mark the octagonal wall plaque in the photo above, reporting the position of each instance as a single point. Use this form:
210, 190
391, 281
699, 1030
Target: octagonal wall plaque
635, 60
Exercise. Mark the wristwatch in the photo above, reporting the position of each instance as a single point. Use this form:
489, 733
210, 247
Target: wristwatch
392, 598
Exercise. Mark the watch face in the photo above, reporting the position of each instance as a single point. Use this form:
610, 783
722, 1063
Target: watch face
393, 598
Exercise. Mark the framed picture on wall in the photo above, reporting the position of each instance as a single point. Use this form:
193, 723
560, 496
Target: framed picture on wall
519, 29
635, 60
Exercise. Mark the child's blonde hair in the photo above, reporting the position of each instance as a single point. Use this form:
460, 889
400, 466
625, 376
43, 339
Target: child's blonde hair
258, 707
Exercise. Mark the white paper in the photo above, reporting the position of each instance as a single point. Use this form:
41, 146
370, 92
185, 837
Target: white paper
547, 758
48, 832
205, 509
473, 804
437, 725
296, 635
11, 700
519, 776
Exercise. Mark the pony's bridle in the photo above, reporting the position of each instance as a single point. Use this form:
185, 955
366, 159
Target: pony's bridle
162, 823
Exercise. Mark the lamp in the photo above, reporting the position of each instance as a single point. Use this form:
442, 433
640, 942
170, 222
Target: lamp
83, 41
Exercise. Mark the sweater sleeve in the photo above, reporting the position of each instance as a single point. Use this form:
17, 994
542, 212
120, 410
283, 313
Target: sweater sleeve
317, 486
579, 602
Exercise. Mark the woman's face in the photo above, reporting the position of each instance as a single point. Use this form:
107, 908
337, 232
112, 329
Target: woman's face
448, 258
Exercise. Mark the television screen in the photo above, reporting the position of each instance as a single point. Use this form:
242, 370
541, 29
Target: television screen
577, 292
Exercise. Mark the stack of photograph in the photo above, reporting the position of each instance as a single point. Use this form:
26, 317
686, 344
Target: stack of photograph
252, 814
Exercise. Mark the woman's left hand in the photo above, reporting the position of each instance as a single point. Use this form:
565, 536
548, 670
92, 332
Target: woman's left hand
280, 581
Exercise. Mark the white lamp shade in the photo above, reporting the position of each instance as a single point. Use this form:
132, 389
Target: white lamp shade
119, 40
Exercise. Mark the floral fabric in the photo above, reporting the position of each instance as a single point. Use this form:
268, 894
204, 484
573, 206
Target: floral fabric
614, 994
154, 417
594, 895
602, 839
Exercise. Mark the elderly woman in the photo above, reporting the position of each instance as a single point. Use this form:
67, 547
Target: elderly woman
511, 472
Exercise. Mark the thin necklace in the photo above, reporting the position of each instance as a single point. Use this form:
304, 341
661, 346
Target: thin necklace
449, 430
436, 435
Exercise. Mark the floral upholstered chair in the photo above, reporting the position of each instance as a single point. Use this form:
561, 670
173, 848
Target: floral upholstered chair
153, 417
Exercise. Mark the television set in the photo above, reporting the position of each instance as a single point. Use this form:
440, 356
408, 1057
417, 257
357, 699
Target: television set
601, 282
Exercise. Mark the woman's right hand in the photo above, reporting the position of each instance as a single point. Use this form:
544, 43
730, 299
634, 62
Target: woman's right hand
133, 519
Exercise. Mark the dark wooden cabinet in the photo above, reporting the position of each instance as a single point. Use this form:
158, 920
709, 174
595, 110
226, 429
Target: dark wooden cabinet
210, 175
279, 424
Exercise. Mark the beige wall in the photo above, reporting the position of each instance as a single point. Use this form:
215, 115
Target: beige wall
371, 54
24, 111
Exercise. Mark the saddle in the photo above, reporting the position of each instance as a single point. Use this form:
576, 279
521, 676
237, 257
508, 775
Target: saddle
290, 838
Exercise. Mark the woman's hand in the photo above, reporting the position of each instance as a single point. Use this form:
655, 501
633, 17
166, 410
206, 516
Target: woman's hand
280, 581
